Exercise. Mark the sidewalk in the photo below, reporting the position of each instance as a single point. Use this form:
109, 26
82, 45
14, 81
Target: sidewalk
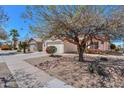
108, 56
97, 55
28, 76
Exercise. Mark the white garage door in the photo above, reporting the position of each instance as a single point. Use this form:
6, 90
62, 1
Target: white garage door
60, 48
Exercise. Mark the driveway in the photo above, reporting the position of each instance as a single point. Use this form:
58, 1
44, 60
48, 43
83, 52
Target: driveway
28, 76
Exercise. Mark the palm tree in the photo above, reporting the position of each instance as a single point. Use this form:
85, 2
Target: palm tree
14, 33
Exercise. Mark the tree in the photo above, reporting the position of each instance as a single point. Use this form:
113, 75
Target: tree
14, 33
20, 46
24, 46
113, 46
3, 19
76, 24
3, 34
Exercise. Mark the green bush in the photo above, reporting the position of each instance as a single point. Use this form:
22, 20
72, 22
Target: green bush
24, 46
96, 67
91, 68
100, 70
39, 50
113, 46
51, 50
20, 46
18, 50
117, 49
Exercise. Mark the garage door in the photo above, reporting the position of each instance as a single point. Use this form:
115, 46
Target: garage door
60, 48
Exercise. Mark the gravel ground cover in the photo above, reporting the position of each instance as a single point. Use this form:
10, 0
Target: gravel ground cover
107, 72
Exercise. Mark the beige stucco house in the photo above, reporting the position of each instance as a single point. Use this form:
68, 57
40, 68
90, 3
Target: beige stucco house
62, 46
35, 44
66, 47
100, 43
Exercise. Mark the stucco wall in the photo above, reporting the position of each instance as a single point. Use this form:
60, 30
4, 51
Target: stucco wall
57, 43
66, 47
101, 45
69, 47
104, 46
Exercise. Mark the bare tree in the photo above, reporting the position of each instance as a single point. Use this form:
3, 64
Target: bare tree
3, 19
3, 34
76, 24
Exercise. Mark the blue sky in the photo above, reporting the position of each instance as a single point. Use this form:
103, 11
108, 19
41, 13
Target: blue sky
118, 43
15, 20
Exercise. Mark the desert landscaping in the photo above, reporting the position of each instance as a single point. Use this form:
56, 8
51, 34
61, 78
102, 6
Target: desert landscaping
107, 72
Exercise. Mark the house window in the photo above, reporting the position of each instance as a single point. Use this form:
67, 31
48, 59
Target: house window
95, 45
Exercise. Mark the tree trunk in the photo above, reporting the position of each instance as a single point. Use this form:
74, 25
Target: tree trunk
14, 45
24, 50
81, 53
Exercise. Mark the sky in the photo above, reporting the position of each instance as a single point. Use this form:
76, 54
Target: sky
15, 21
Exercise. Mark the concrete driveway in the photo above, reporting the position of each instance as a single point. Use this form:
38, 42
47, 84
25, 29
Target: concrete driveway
28, 76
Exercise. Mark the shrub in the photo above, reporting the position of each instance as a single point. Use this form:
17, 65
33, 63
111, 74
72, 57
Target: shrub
18, 50
39, 50
20, 46
117, 49
91, 68
103, 59
6, 47
96, 67
51, 50
24, 46
100, 70
122, 72
113, 46
29, 50
94, 51
113, 53
10, 46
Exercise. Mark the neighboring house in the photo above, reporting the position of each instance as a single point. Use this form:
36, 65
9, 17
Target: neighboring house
6, 43
35, 44
100, 43
66, 47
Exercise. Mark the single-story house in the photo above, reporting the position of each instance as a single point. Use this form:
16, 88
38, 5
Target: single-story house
35, 44
62, 46
67, 47
101, 43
